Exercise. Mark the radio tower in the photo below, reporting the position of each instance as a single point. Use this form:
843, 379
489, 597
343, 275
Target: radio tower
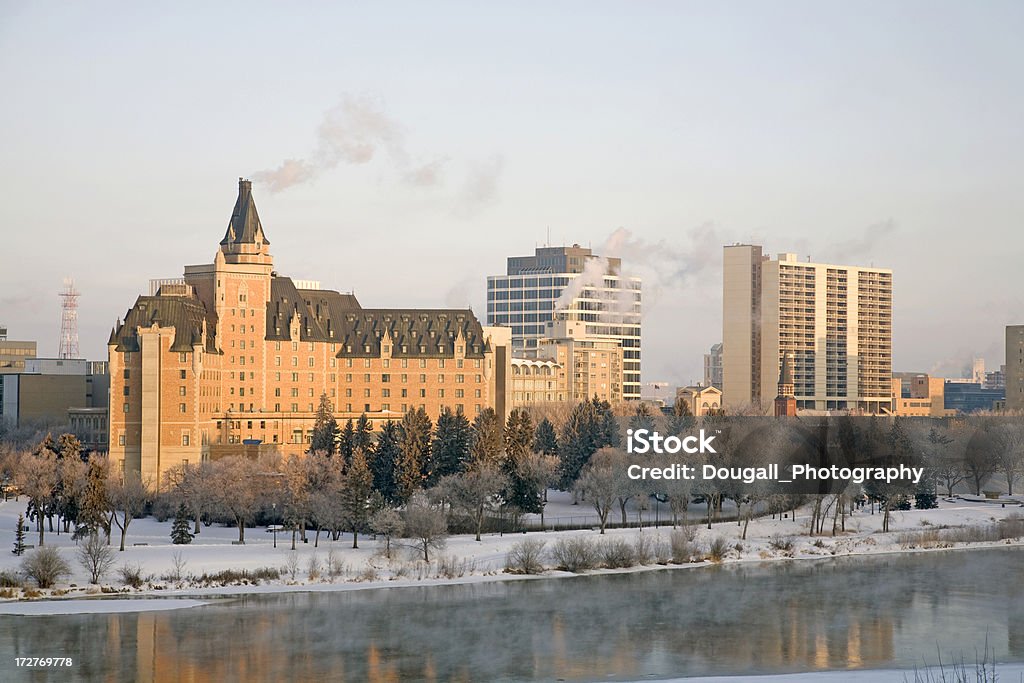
69, 320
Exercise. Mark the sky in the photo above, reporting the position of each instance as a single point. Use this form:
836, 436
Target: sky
403, 150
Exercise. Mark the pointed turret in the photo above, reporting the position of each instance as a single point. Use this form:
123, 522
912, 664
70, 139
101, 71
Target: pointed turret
785, 402
244, 226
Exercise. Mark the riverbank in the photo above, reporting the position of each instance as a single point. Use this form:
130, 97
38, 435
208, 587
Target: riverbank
212, 565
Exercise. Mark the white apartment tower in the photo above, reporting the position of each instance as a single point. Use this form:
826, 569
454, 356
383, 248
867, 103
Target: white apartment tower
572, 284
835, 320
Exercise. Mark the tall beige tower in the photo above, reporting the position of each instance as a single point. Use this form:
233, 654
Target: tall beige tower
1015, 367
835, 320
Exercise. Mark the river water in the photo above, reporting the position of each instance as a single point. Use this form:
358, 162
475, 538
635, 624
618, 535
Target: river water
846, 613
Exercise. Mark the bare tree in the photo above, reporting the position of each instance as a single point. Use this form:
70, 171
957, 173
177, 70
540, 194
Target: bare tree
388, 523
425, 525
241, 485
475, 493
127, 496
96, 557
37, 477
1008, 448
601, 482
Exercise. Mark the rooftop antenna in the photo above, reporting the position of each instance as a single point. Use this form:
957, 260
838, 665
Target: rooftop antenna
68, 320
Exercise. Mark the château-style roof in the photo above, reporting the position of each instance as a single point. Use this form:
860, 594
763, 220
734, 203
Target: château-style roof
329, 316
244, 226
185, 314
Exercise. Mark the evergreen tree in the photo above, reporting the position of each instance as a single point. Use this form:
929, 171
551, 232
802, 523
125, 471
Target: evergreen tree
325, 428
487, 439
384, 462
608, 432
180, 530
924, 494
355, 494
523, 490
346, 442
580, 437
545, 440
518, 434
642, 418
682, 419
362, 437
450, 449
19, 536
414, 451
93, 514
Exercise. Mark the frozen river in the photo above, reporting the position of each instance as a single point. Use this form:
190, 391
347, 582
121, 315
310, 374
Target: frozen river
866, 613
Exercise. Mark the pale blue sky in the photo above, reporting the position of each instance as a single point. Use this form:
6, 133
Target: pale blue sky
884, 133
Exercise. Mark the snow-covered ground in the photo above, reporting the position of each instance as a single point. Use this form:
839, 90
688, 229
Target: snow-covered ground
149, 546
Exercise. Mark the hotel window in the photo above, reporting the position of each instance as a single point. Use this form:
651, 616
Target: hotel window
366, 393
423, 379
311, 377
311, 362
126, 407
440, 393
405, 393
386, 393
476, 363
295, 361
181, 374
310, 346
423, 393
405, 363
334, 362
440, 378
385, 406
385, 377
310, 392
181, 391
295, 407
277, 361
405, 378
181, 357
277, 409
295, 377
181, 407
295, 392
295, 346
366, 377
386, 363
366, 362
277, 376
459, 379
476, 393
459, 363
126, 391
120, 440
348, 362
126, 373
277, 391
348, 376
334, 377
460, 393
277, 346
348, 393
423, 362
310, 407
184, 439
348, 407
440, 362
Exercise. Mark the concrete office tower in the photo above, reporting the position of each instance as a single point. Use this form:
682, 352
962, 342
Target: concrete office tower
713, 367
1014, 368
835, 320
573, 284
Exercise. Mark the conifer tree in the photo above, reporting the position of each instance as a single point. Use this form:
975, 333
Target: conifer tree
581, 435
19, 536
450, 448
356, 489
362, 437
545, 440
346, 442
180, 530
384, 462
414, 450
325, 428
682, 418
487, 439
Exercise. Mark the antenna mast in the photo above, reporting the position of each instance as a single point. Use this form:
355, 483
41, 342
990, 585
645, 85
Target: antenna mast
69, 320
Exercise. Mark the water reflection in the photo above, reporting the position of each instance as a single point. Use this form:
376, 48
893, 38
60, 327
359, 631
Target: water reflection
797, 616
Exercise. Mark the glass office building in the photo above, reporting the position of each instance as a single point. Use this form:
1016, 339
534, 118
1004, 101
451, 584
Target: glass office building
569, 283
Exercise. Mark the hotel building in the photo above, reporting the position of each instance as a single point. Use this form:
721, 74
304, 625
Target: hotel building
236, 355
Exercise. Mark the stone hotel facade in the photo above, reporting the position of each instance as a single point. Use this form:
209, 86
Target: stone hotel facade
234, 357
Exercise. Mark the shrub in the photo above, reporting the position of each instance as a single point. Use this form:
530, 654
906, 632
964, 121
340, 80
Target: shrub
335, 567
682, 544
617, 553
131, 575
1011, 526
662, 552
45, 566
643, 549
717, 549
10, 579
526, 557
575, 554
368, 574
238, 575
783, 543
313, 568
451, 567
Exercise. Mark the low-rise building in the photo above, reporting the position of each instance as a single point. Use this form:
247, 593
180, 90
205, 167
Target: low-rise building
701, 399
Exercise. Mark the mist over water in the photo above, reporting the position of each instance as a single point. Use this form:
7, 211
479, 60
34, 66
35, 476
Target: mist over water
868, 612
